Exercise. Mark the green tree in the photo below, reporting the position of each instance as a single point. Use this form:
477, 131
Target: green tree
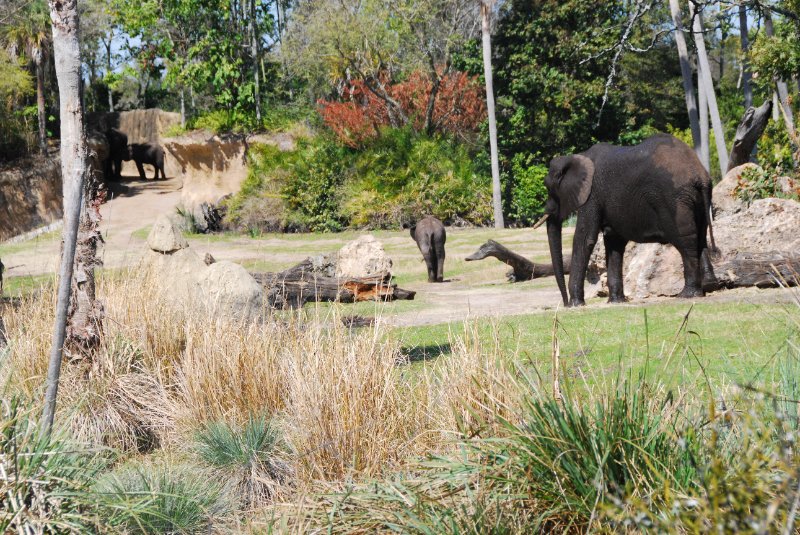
28, 35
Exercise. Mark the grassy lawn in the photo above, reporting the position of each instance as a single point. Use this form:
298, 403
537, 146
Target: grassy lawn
732, 342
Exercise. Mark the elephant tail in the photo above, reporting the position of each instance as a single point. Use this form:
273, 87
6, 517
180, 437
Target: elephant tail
707, 208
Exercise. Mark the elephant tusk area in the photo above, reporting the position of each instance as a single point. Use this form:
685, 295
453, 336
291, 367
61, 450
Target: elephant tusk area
541, 221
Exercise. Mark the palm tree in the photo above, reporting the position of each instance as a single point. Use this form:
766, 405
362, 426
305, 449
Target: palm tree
29, 35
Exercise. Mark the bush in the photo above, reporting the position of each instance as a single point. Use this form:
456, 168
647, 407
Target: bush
757, 183
528, 194
44, 483
249, 455
162, 497
404, 176
323, 186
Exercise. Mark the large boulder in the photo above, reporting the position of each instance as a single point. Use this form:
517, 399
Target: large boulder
765, 226
228, 289
363, 257
221, 289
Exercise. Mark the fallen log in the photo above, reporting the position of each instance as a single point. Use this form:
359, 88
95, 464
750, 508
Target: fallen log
762, 270
522, 269
301, 284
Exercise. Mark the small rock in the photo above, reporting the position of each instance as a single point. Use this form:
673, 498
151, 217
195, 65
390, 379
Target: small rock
363, 257
208, 259
788, 185
165, 236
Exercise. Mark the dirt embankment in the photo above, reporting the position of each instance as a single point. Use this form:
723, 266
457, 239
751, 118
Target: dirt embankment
30, 194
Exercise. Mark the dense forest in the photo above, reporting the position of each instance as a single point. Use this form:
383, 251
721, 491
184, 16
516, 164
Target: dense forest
388, 98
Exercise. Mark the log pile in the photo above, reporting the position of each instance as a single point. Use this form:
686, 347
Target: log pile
301, 284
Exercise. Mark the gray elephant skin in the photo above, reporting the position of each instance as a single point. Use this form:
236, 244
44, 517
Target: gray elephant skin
117, 152
657, 191
430, 236
147, 153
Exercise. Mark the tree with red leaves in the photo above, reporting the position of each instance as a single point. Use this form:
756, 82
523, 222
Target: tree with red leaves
457, 107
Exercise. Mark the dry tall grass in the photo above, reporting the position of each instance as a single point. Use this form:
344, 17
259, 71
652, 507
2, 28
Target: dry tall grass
346, 400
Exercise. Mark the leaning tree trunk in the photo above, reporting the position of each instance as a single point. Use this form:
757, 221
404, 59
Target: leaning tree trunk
38, 56
66, 48
255, 51
686, 72
708, 86
783, 91
497, 201
705, 141
747, 88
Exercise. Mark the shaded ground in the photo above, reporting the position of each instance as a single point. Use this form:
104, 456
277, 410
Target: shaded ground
473, 289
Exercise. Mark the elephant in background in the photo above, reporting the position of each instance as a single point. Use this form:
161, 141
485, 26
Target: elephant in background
147, 153
657, 191
430, 236
117, 152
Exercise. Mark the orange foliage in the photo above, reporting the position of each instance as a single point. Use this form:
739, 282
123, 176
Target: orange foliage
459, 107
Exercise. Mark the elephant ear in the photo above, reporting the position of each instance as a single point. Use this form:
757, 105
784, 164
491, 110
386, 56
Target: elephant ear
575, 184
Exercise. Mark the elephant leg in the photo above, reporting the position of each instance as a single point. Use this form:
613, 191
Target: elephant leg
615, 249
583, 243
118, 168
430, 263
692, 270
439, 247
155, 176
140, 168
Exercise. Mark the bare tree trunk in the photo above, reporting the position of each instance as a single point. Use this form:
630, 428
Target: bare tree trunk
183, 109
708, 86
108, 71
66, 48
85, 313
497, 201
256, 54
745, 39
705, 141
40, 104
686, 72
783, 91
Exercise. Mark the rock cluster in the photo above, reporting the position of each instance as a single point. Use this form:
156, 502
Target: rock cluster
219, 289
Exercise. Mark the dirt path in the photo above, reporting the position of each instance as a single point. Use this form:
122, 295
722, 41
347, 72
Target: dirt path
475, 289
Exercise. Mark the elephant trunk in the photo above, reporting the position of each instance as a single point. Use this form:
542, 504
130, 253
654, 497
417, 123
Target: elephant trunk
554, 239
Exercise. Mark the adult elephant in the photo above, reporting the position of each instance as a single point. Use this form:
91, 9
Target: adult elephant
117, 152
430, 236
147, 153
657, 191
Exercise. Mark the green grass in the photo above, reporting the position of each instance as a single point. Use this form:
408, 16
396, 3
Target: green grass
27, 284
8, 249
734, 343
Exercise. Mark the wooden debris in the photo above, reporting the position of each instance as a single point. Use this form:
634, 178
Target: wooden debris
762, 270
522, 268
301, 284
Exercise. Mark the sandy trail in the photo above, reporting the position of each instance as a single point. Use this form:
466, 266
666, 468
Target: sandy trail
135, 204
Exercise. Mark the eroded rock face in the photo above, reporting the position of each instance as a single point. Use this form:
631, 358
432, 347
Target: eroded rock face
723, 198
221, 289
30, 194
363, 257
165, 236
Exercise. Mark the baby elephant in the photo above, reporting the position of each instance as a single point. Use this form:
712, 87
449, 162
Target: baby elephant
430, 237
149, 153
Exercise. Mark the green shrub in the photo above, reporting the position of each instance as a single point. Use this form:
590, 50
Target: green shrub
45, 485
249, 455
162, 497
758, 183
404, 175
528, 194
